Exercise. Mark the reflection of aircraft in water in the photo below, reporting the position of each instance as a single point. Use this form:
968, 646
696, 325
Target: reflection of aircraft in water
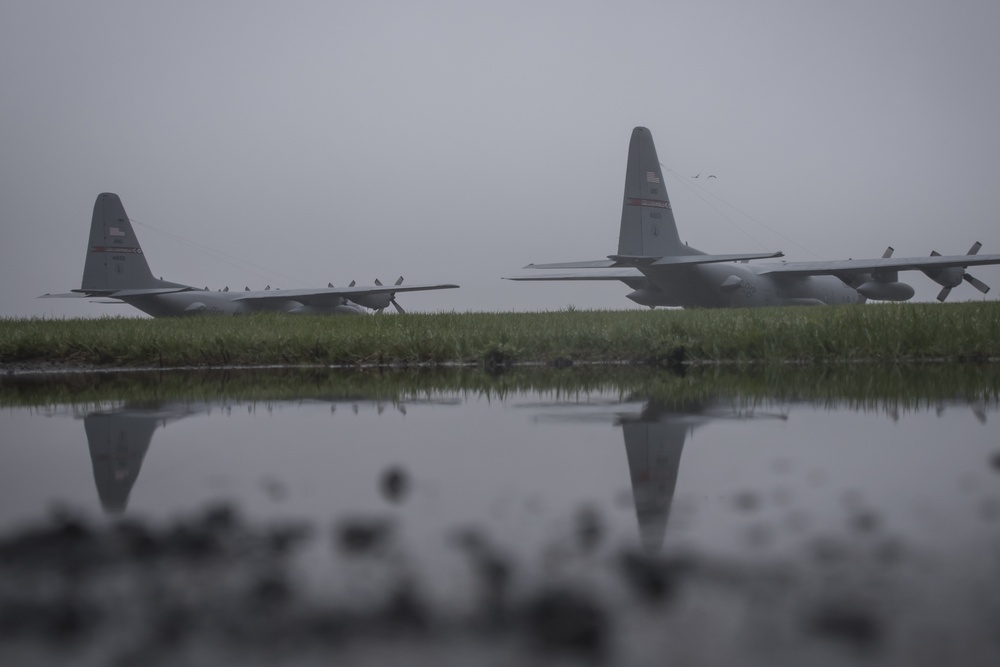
118, 442
654, 440
119, 438
654, 447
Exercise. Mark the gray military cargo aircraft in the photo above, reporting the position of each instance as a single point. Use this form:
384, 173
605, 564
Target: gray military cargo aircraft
663, 271
116, 269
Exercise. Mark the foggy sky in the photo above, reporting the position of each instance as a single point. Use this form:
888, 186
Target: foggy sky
298, 143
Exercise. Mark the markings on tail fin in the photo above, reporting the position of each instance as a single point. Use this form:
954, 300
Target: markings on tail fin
658, 203
115, 249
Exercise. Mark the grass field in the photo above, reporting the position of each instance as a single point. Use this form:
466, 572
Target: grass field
892, 332
873, 387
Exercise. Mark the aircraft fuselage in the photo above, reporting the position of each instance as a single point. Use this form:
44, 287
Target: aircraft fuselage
739, 286
198, 302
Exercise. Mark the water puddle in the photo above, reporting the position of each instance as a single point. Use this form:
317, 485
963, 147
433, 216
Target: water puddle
795, 513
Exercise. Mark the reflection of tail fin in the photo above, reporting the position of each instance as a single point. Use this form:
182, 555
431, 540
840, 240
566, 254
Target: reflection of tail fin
117, 446
648, 228
114, 258
654, 459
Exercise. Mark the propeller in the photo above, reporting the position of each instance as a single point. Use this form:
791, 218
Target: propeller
392, 296
950, 278
378, 302
395, 304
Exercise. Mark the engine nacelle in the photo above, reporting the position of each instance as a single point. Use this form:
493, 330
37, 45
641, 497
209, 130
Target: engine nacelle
949, 277
346, 308
885, 291
373, 301
349, 309
649, 297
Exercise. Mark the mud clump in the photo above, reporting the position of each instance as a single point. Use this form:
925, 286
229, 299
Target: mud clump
395, 484
653, 580
850, 625
569, 621
363, 536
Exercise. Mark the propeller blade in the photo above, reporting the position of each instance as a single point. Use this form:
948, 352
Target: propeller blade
352, 284
399, 308
888, 253
975, 248
935, 253
978, 284
943, 294
329, 284
399, 281
378, 282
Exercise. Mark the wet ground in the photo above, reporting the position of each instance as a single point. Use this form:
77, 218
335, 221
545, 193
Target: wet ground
528, 526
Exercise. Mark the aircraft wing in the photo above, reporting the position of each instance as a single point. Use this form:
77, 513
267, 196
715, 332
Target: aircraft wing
619, 261
324, 294
848, 266
605, 274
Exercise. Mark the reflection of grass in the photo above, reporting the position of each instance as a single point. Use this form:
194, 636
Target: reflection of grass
873, 332
870, 385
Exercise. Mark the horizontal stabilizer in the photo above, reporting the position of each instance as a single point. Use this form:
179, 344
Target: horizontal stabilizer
592, 264
626, 273
64, 295
714, 259
116, 293
127, 293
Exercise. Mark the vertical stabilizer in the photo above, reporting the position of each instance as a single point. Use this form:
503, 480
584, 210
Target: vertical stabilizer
648, 228
114, 258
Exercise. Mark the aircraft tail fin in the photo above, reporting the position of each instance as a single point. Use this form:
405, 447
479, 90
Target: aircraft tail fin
648, 228
114, 257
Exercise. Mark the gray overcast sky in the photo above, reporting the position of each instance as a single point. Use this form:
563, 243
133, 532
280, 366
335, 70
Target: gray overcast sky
458, 141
